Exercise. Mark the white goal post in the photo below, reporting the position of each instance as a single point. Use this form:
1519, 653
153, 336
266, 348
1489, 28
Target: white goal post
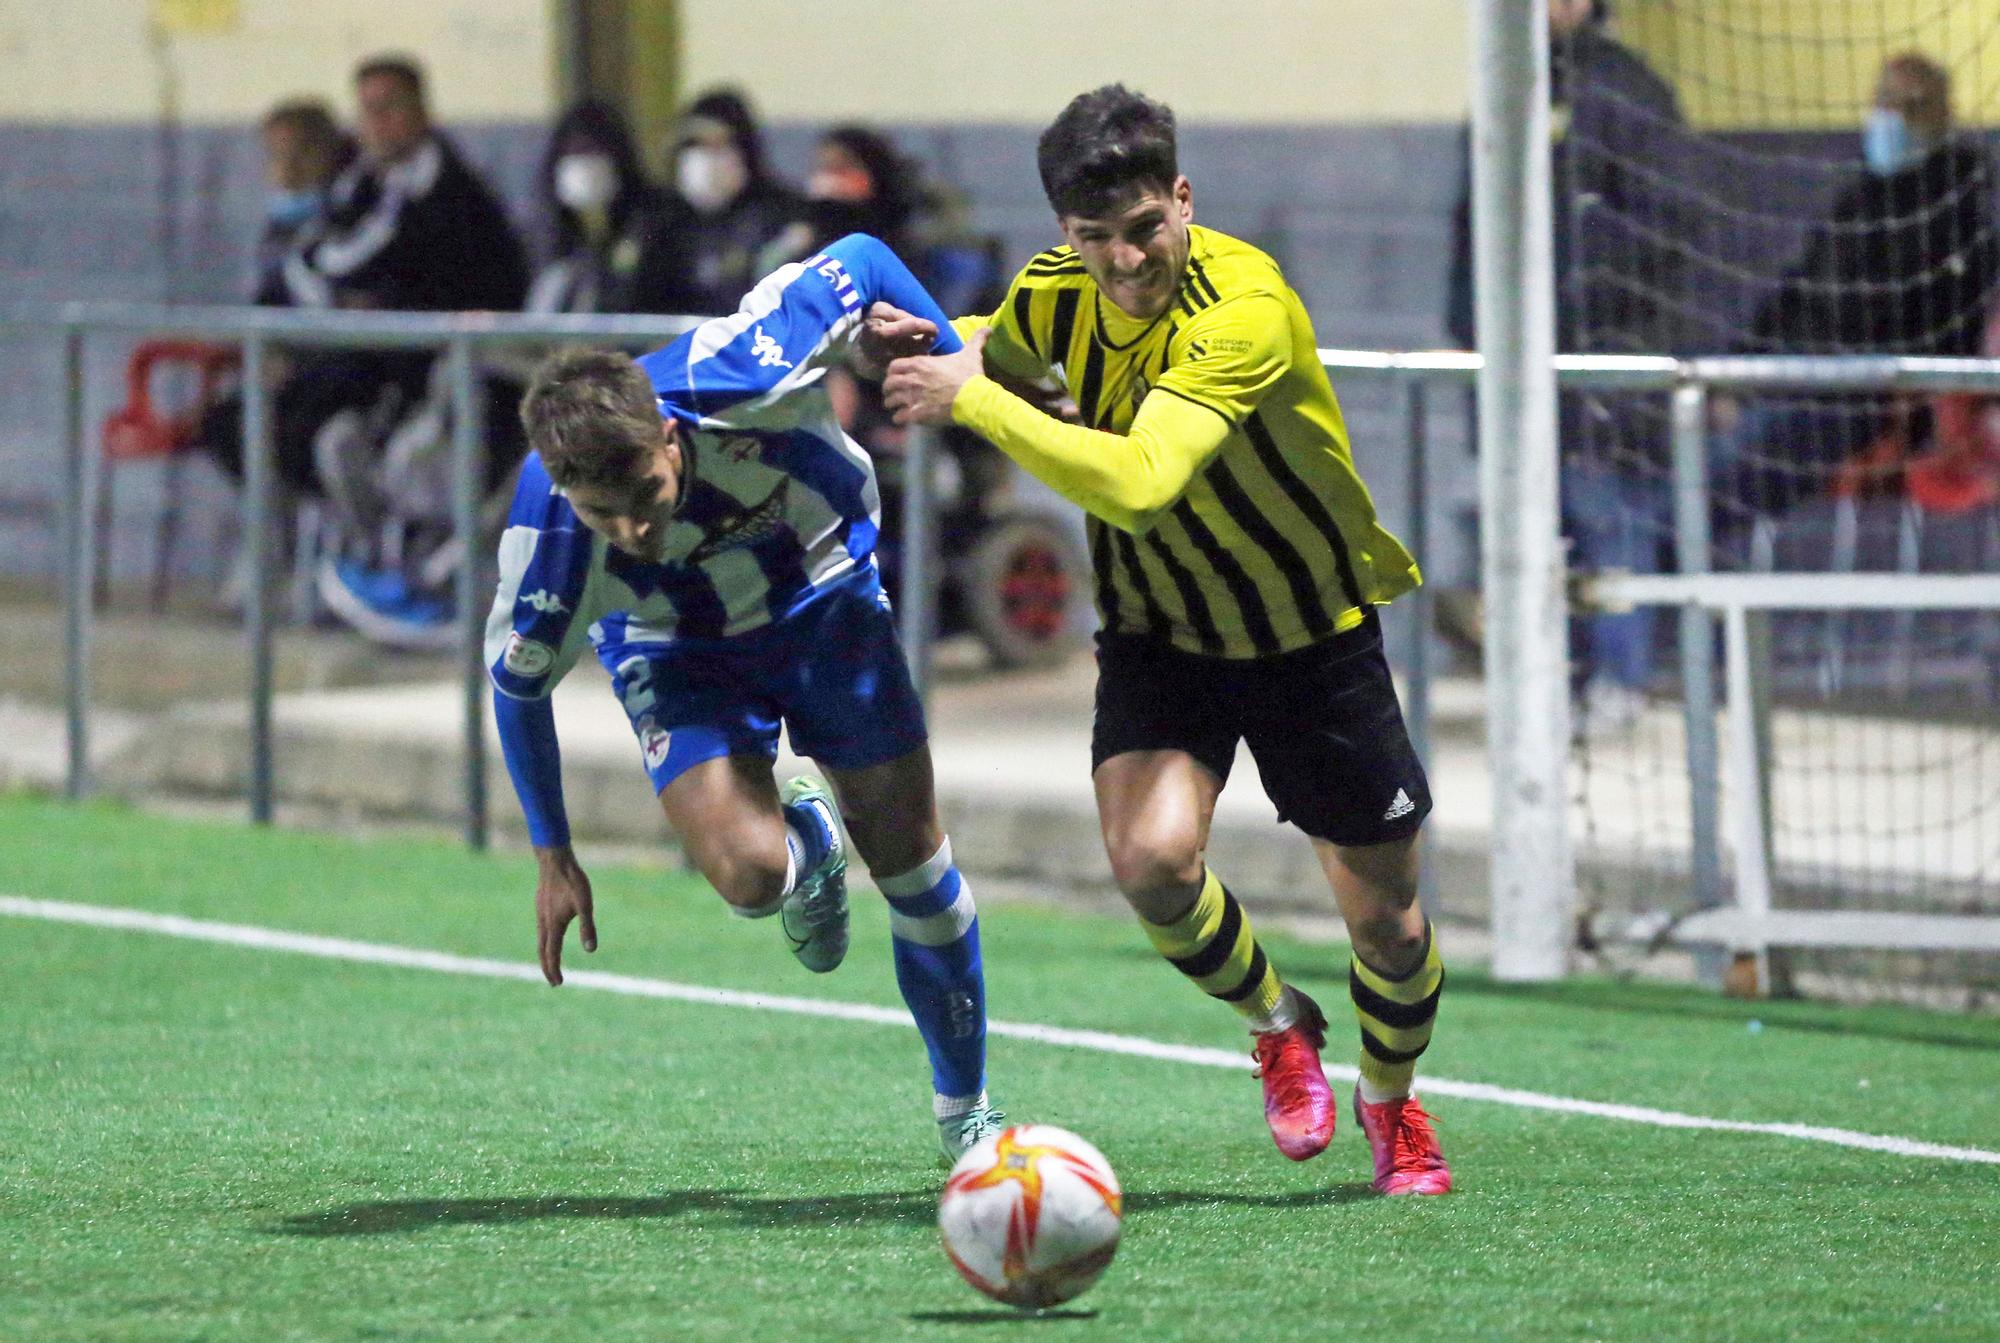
1534, 863
1533, 868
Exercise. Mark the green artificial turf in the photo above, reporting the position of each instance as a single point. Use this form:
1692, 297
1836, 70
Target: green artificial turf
213, 1142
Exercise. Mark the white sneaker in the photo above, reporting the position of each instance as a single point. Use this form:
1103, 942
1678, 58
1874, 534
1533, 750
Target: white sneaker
814, 915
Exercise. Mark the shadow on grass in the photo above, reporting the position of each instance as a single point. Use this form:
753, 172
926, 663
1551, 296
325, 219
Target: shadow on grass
999, 1315
1896, 1024
1315, 965
374, 1219
1157, 1200
915, 1206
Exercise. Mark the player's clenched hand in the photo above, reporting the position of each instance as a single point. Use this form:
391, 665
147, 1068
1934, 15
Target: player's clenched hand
887, 334
562, 895
920, 391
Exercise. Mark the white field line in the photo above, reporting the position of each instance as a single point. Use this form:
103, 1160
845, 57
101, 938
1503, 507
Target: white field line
410, 958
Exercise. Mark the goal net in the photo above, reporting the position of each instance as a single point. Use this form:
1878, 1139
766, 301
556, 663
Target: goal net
1790, 177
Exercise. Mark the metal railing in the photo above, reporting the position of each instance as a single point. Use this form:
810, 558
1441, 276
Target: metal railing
460, 335
457, 336
1744, 603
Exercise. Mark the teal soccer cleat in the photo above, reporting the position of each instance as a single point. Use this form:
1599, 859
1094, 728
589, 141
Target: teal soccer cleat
814, 915
961, 1133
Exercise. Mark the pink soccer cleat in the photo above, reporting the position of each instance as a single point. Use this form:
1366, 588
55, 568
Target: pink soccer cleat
1407, 1157
1298, 1104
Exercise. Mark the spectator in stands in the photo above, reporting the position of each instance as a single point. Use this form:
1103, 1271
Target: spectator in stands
716, 231
599, 205
1905, 262
410, 226
304, 151
860, 184
1619, 158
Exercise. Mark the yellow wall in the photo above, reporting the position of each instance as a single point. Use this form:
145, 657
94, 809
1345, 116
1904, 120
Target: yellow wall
1810, 64
1299, 61
108, 60
1737, 63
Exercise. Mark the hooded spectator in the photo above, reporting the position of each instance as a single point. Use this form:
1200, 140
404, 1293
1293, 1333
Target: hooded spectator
860, 184
721, 217
599, 206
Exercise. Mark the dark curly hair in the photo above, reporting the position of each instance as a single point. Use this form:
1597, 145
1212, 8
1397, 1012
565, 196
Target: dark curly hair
1106, 144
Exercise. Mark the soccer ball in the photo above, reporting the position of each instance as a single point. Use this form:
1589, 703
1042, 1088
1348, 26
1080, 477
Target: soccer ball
1031, 1215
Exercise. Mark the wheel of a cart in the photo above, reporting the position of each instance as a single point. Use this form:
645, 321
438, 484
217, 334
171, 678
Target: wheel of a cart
1022, 585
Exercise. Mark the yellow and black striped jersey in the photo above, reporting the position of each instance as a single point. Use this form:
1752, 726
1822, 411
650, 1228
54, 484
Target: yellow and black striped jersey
1226, 514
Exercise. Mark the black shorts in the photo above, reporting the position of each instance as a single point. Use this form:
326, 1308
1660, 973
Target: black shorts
1323, 725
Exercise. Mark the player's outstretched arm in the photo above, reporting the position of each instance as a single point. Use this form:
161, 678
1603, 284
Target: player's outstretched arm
880, 277
1128, 479
534, 762
1225, 361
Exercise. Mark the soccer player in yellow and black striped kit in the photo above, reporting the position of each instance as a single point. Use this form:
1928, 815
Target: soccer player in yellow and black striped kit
1238, 562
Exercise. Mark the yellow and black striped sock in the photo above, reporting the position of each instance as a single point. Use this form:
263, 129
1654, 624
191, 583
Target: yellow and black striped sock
1396, 1017
1212, 944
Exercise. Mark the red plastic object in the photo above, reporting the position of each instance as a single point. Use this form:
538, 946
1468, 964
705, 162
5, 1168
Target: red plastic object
137, 429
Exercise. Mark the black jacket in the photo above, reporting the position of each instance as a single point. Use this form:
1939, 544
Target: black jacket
704, 264
1903, 264
424, 234
1620, 174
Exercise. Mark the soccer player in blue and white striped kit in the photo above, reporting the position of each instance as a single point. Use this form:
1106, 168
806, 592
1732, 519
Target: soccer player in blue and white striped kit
698, 518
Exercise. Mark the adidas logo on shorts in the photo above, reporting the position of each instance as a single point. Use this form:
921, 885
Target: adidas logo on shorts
1402, 806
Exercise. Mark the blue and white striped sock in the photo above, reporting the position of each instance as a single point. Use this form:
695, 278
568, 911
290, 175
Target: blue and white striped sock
809, 835
935, 930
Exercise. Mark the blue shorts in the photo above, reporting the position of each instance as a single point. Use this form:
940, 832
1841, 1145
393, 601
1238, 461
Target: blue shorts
832, 672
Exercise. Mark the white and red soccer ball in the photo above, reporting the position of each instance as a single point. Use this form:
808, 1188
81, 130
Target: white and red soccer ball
1031, 1215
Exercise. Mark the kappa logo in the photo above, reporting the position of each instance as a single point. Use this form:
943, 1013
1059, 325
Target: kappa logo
1401, 807
769, 353
526, 657
544, 601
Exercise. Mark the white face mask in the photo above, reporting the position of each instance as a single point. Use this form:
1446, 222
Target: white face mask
586, 181
709, 176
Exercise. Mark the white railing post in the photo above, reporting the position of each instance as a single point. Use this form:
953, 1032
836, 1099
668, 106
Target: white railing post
1749, 813
1693, 545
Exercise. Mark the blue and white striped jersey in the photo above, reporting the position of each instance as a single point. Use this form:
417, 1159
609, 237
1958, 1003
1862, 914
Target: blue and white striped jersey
777, 500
